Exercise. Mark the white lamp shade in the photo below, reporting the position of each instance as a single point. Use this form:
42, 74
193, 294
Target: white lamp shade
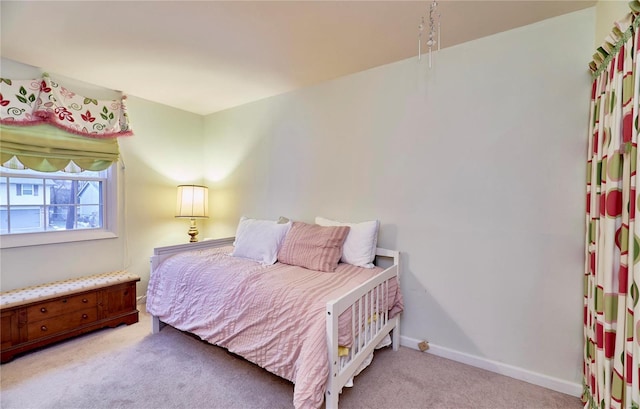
193, 201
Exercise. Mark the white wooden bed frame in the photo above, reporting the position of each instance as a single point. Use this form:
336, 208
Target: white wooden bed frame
367, 333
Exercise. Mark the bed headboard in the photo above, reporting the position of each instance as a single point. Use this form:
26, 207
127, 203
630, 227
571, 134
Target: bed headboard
161, 253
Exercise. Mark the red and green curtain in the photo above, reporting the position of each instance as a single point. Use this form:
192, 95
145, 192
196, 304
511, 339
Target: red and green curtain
612, 268
47, 127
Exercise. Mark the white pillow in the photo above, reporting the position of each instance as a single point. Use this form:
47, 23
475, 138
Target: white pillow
259, 240
359, 248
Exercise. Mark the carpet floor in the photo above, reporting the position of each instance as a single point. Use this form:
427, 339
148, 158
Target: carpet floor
128, 367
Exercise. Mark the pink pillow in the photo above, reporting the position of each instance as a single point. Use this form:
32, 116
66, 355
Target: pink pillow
314, 247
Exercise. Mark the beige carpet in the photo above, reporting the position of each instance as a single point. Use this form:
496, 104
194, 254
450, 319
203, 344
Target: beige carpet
127, 367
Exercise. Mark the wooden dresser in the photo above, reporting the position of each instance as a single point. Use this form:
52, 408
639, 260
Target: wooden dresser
37, 316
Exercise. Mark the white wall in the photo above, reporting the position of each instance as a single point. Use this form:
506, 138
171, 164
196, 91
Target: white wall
475, 169
607, 13
156, 159
165, 151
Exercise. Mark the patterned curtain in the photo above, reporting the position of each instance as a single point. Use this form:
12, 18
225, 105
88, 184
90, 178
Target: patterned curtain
612, 268
47, 127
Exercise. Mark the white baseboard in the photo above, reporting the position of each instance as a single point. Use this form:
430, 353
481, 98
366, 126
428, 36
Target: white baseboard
141, 300
549, 382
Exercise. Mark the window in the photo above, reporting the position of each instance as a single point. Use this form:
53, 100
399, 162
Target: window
54, 207
26, 190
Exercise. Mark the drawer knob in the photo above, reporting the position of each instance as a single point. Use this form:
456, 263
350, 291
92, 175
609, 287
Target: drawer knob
64, 301
85, 316
84, 300
43, 328
43, 310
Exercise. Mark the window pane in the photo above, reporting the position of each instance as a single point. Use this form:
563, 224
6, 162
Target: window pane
4, 220
26, 219
89, 217
61, 191
3, 191
61, 217
89, 192
22, 191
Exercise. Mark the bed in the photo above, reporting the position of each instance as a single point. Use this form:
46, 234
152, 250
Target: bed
317, 328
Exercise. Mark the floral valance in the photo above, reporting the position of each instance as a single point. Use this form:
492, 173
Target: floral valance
44, 101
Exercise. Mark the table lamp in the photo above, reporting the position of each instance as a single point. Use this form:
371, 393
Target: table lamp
193, 202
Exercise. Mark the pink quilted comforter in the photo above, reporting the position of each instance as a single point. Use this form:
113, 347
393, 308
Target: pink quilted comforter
273, 316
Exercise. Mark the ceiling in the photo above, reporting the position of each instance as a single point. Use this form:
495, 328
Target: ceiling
206, 56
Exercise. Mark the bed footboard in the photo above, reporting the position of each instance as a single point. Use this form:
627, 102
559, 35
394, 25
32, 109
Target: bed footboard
370, 324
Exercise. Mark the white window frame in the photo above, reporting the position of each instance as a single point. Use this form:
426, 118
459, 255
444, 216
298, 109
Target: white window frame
109, 229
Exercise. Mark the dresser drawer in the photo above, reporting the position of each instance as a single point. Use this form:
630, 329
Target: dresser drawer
61, 306
61, 323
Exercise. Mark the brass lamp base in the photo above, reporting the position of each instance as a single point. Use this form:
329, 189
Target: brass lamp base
193, 231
